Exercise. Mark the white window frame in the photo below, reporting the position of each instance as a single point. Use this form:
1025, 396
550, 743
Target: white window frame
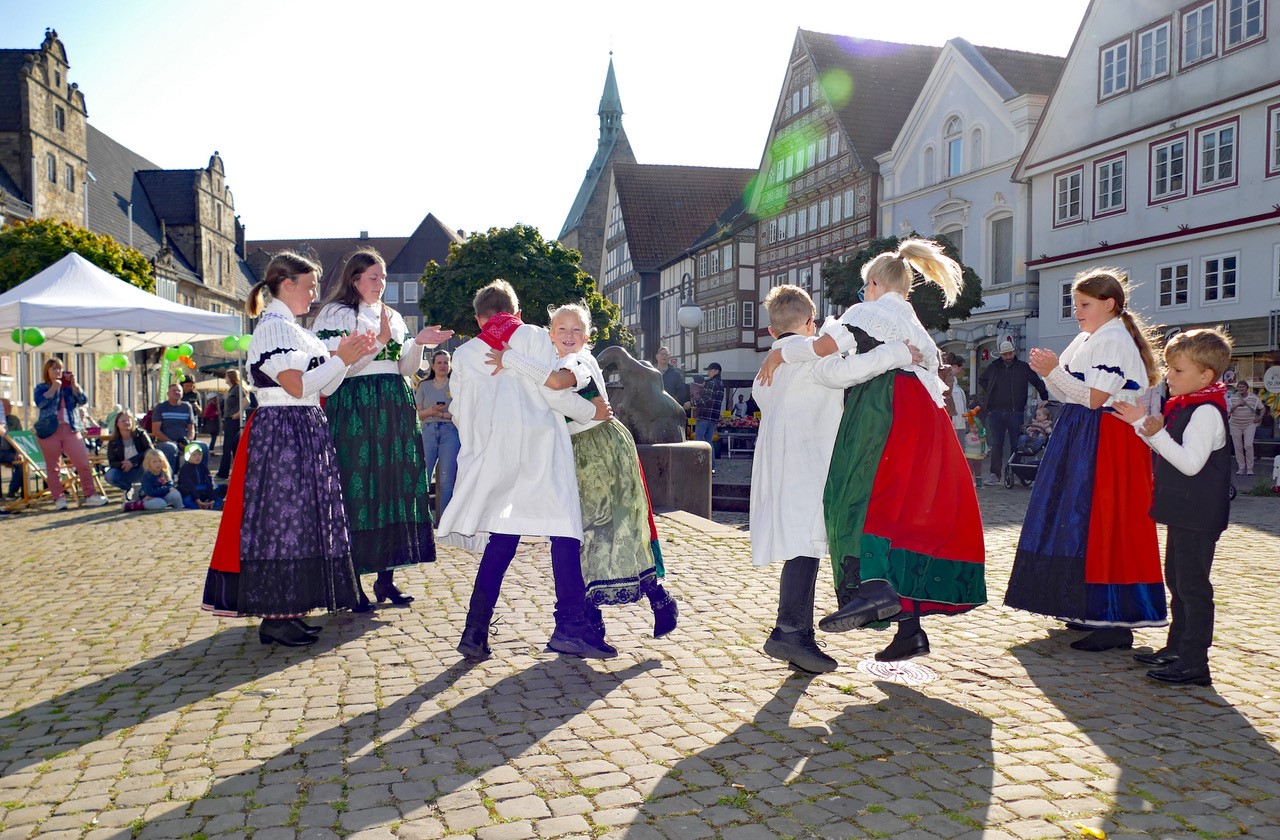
822, 149
833, 144
1273, 140
836, 209
805, 279
391, 294
1115, 68
802, 222
1216, 155
702, 266
813, 217
1153, 196
410, 291
991, 239
1194, 16
1151, 35
749, 311
824, 212
773, 231
953, 143
1107, 168
849, 207
1172, 281
1251, 9
1219, 273
791, 225
1066, 304
720, 317
1064, 216
51, 164
714, 260
731, 315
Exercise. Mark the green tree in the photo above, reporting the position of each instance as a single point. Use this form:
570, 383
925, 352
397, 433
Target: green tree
542, 273
843, 280
28, 247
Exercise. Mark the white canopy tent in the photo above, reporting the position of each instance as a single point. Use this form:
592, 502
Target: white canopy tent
83, 309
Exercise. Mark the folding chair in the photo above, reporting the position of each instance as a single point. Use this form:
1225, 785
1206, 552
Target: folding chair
27, 445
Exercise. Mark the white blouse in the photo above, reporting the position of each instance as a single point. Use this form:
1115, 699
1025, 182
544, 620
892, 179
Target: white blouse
402, 354
1106, 360
280, 343
585, 369
887, 319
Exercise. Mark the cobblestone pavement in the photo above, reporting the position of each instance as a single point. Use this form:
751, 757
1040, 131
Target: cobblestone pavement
128, 713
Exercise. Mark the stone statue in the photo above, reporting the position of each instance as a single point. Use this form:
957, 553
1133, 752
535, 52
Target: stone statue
648, 412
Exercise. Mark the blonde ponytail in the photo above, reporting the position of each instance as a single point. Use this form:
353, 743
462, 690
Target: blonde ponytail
893, 269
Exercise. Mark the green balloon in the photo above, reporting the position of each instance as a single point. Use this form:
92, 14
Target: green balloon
185, 350
171, 354
122, 361
34, 336
231, 343
106, 363
245, 341
16, 335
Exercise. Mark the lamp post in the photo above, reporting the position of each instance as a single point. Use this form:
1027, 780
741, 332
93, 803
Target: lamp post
689, 314
86, 196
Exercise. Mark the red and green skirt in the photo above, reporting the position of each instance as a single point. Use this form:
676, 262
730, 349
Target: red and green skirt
900, 502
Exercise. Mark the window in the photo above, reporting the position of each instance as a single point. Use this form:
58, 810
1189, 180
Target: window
822, 149
1243, 20
728, 256
1153, 53
1108, 186
702, 265
1219, 276
804, 97
720, 317
1002, 251
1168, 169
813, 217
956, 237
749, 312
835, 208
833, 144
69, 177
1113, 71
714, 258
824, 212
1273, 140
811, 155
1067, 306
795, 102
975, 149
411, 292
848, 204
1199, 39
1174, 284
51, 168
780, 279
392, 294
59, 118
953, 141
731, 315
788, 166
806, 279
802, 223
773, 231
616, 227
791, 225
1216, 156
929, 170
1066, 204
617, 262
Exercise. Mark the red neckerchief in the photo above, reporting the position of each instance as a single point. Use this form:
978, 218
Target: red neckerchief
1215, 394
497, 331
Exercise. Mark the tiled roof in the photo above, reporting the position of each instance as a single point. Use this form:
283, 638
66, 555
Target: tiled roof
429, 242
732, 220
173, 194
11, 64
330, 252
1025, 72
887, 78
9, 185
665, 208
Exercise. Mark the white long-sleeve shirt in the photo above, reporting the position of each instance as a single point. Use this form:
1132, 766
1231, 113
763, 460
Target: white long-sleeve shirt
1204, 434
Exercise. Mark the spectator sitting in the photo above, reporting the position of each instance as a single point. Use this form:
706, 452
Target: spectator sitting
9, 455
196, 484
125, 450
173, 423
1035, 434
158, 491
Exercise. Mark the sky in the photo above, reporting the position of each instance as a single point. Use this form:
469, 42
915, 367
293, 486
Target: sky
333, 119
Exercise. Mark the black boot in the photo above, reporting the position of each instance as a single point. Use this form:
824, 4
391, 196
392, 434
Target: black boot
362, 600
873, 600
792, 639
313, 629
910, 641
1106, 638
575, 636
384, 588
797, 646
474, 645
665, 611
283, 632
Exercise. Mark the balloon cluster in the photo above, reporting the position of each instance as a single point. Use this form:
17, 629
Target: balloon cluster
113, 361
180, 355
31, 336
232, 343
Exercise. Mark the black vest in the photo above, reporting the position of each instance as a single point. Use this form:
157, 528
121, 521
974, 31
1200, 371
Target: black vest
1198, 502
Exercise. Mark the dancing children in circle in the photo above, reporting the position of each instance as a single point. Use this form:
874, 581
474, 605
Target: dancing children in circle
515, 471
800, 415
375, 428
621, 557
1088, 553
902, 516
1193, 472
283, 547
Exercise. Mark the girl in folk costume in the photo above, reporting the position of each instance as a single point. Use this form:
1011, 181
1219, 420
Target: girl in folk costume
903, 524
283, 546
1088, 551
621, 557
375, 427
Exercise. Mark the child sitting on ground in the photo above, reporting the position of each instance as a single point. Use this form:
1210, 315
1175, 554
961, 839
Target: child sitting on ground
158, 491
1192, 476
196, 484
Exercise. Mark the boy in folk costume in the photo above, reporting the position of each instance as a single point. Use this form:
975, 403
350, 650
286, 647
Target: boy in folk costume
800, 415
515, 470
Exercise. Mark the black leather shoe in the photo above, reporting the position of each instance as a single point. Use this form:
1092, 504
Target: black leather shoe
1175, 674
798, 648
578, 640
283, 632
1163, 656
665, 613
388, 591
1105, 638
474, 646
905, 647
362, 601
873, 600
313, 629
1077, 627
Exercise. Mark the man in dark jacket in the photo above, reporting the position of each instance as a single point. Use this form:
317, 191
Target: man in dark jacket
672, 378
706, 408
1004, 384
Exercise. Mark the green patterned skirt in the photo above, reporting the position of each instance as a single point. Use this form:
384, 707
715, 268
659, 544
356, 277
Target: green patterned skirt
619, 550
384, 480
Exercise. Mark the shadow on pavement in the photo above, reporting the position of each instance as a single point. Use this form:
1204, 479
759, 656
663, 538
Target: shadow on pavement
907, 762
349, 774
1189, 762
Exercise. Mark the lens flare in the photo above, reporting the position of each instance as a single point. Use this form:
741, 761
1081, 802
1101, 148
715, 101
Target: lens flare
837, 87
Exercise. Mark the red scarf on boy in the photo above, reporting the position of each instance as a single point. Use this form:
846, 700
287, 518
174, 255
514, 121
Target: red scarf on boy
497, 331
1215, 394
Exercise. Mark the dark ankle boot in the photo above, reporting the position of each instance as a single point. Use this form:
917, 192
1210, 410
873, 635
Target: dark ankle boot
910, 641
384, 589
575, 636
283, 632
474, 645
873, 600
1105, 638
313, 629
797, 646
665, 611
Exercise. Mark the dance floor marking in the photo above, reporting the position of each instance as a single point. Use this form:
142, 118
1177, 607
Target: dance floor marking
905, 673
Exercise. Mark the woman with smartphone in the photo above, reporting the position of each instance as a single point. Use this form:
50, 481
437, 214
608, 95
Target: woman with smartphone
440, 442
58, 429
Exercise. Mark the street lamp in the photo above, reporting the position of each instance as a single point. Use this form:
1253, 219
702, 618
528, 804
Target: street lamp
689, 314
86, 196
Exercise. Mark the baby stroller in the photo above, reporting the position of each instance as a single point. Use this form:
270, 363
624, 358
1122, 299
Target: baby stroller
1024, 462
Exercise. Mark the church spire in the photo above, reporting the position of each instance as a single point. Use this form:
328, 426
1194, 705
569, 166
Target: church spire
610, 106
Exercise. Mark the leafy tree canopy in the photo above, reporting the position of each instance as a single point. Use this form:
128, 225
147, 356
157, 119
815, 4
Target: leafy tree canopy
542, 273
28, 247
844, 279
